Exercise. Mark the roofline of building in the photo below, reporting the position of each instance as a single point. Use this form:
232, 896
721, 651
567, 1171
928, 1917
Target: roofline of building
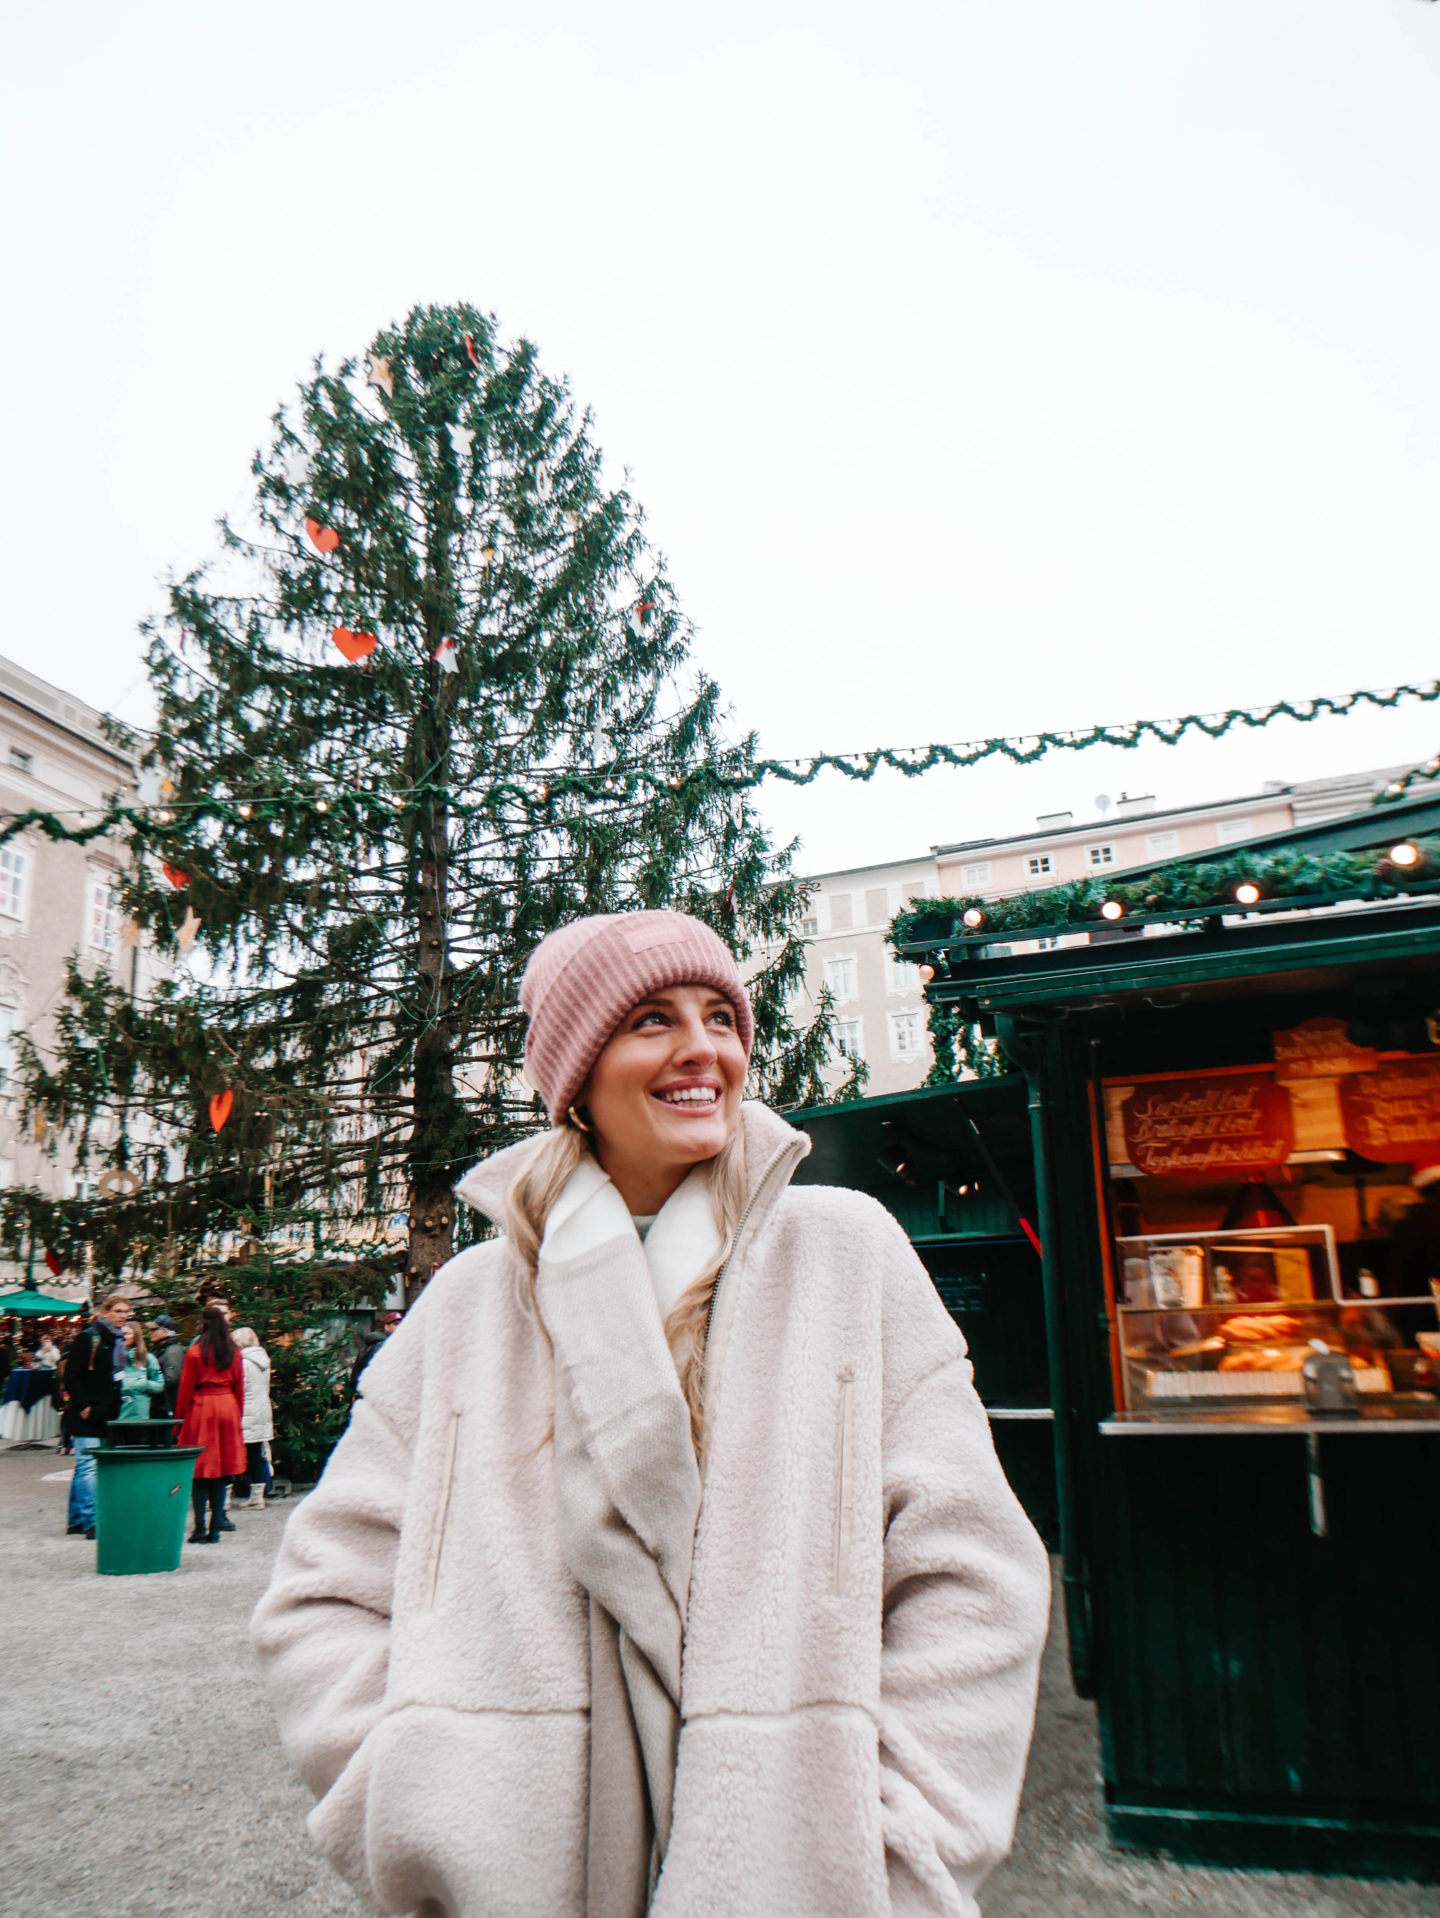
1270, 795
877, 865
68, 727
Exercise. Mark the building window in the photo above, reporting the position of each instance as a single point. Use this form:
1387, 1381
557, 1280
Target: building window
901, 975
877, 906
7, 1048
1098, 856
840, 976
907, 1034
841, 911
848, 1038
22, 761
14, 881
1229, 832
1162, 845
809, 927
1038, 864
101, 908
977, 875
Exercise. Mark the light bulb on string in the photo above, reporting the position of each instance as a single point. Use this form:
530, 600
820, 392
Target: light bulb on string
1247, 893
973, 917
927, 973
1112, 909
1407, 853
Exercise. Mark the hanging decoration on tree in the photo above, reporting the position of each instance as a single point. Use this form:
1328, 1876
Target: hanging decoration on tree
445, 657
378, 374
470, 353
178, 878
40, 1126
54, 1264
222, 1104
119, 1183
355, 646
323, 538
189, 927
730, 900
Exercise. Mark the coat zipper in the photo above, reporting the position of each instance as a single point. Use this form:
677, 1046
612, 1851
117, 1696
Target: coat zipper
444, 1520
844, 1472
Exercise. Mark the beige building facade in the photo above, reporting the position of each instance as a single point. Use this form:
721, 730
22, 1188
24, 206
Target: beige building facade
880, 1009
56, 901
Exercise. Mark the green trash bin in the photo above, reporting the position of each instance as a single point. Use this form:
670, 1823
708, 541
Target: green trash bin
142, 1506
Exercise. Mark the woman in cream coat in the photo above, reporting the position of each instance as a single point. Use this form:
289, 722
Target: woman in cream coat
666, 1565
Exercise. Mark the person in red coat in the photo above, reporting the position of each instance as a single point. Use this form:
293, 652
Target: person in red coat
210, 1402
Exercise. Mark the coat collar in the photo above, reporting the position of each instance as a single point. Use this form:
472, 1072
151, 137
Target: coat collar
768, 1140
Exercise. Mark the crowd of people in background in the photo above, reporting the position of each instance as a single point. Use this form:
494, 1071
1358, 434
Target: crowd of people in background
114, 1370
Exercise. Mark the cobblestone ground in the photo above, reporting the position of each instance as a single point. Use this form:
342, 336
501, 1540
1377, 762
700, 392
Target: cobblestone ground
140, 1777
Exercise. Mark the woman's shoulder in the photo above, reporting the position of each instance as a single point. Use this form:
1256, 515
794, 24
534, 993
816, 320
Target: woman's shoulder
469, 1280
839, 1212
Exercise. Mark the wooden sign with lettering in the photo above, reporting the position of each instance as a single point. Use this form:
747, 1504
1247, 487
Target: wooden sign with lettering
1238, 1123
1320, 1050
1394, 1112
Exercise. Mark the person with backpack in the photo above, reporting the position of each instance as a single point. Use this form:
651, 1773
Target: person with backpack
94, 1366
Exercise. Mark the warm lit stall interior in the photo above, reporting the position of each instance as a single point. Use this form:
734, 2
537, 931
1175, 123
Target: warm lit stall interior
1276, 1228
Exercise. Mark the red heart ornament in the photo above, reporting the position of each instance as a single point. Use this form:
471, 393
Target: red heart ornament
221, 1105
178, 879
355, 646
324, 538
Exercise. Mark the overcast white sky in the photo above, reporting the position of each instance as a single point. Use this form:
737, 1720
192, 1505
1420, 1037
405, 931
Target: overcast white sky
981, 367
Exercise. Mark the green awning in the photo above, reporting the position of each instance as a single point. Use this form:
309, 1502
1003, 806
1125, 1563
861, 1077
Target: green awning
35, 1305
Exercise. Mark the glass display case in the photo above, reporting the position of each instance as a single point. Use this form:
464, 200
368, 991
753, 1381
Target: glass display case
1264, 1254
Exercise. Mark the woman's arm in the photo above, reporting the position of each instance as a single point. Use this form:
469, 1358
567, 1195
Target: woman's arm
187, 1381
322, 1630
967, 1593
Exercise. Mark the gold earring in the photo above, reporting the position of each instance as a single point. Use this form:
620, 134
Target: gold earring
579, 1124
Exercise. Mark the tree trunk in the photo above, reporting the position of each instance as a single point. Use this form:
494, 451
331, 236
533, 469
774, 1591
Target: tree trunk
431, 1200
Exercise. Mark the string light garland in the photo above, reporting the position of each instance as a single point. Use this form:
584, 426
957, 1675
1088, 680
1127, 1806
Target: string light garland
636, 780
1180, 891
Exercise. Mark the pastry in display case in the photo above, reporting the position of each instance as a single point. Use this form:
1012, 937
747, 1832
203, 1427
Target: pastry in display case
1237, 1315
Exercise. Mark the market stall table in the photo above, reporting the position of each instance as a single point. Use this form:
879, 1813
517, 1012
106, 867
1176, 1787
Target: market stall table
27, 1409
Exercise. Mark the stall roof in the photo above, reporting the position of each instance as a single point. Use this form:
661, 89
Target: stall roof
902, 1146
981, 977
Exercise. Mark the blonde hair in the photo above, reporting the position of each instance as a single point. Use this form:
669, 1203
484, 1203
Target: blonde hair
527, 1207
245, 1336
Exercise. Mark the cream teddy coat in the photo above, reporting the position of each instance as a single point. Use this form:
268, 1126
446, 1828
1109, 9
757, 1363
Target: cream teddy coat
867, 1601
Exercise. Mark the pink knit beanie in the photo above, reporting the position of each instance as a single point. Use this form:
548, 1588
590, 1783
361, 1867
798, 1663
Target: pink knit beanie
583, 978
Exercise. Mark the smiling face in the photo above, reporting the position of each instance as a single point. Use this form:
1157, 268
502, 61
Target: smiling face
665, 1093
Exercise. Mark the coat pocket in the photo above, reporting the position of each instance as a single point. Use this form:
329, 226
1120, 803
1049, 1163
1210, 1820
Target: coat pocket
844, 1485
442, 1510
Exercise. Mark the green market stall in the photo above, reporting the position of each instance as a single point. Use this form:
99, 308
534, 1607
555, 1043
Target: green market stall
955, 1167
1234, 1107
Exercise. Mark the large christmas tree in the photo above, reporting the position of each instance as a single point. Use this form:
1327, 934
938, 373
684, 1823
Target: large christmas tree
435, 698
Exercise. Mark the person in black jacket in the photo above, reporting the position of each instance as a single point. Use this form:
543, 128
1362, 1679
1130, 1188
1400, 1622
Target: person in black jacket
170, 1355
93, 1365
